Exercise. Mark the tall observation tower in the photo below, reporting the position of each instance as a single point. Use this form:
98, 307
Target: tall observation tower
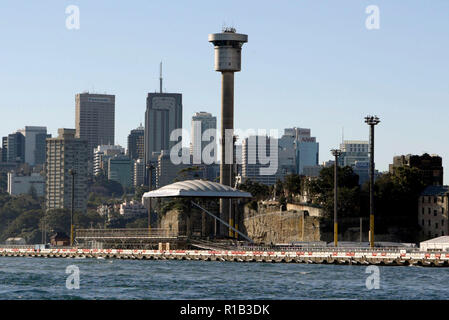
228, 59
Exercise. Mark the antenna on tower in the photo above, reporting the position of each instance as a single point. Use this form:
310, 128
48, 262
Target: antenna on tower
342, 134
160, 78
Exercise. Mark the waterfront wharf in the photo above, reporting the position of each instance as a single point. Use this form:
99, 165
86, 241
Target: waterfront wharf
341, 256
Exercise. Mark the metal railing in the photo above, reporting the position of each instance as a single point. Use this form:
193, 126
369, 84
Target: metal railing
127, 233
327, 249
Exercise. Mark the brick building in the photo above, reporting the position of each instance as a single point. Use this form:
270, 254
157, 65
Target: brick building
433, 209
430, 166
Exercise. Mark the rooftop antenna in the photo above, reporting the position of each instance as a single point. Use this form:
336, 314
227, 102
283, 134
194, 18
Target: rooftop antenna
343, 134
160, 78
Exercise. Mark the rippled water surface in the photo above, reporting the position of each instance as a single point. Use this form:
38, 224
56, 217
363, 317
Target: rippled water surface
40, 278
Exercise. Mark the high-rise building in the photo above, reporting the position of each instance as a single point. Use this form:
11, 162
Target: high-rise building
202, 121
95, 119
163, 115
252, 166
35, 144
120, 169
139, 173
287, 153
4, 154
167, 172
136, 143
16, 148
307, 149
353, 151
430, 166
101, 156
297, 150
65, 153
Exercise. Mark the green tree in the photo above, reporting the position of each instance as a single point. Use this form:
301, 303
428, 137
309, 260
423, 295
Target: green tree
293, 184
140, 190
57, 220
258, 190
322, 192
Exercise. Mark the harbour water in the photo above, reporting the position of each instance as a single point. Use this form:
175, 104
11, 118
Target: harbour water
40, 278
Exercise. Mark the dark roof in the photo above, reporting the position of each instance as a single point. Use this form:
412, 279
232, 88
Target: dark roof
59, 235
435, 191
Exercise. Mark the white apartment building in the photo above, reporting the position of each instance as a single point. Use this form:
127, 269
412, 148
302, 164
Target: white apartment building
22, 184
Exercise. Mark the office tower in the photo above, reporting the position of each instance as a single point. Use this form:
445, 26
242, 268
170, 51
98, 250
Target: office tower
355, 154
139, 173
120, 169
16, 148
4, 154
251, 161
101, 156
167, 172
202, 121
35, 144
95, 119
163, 115
287, 153
65, 153
297, 150
353, 151
307, 149
429, 166
136, 143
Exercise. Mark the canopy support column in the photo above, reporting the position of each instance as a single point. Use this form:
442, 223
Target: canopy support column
222, 221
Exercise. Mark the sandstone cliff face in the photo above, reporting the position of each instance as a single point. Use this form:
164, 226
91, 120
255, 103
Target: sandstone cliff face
281, 227
173, 221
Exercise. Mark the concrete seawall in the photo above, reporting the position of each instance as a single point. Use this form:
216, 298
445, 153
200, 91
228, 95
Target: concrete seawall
387, 258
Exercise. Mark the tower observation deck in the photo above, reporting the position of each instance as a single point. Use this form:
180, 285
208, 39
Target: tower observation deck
228, 59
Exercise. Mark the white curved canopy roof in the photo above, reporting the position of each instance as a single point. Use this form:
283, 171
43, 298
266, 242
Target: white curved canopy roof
197, 189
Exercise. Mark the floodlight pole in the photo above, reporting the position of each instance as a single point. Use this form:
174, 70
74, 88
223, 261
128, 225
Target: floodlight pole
72, 172
371, 121
150, 168
336, 153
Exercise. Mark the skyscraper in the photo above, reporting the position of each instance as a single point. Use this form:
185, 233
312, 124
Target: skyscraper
251, 159
163, 115
120, 169
102, 153
64, 153
136, 143
95, 119
202, 121
307, 149
4, 155
16, 148
353, 151
297, 150
35, 145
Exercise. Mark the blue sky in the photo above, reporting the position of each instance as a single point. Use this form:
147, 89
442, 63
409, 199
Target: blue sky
308, 63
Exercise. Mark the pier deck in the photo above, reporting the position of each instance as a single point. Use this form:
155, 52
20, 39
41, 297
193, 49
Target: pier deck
329, 256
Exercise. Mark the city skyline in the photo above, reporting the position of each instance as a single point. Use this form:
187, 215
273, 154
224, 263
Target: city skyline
392, 76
